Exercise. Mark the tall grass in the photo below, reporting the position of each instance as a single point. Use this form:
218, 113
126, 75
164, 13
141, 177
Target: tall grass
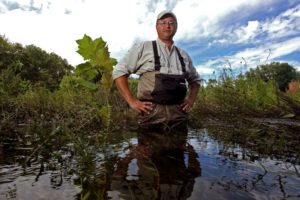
231, 98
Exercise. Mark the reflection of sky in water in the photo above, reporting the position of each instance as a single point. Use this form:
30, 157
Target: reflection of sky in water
209, 150
132, 173
225, 177
16, 185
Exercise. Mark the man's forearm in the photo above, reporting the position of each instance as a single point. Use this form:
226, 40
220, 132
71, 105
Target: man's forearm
193, 91
123, 87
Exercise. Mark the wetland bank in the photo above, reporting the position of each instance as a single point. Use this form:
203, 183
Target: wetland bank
72, 137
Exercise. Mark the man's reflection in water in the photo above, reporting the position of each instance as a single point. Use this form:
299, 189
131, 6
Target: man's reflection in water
162, 166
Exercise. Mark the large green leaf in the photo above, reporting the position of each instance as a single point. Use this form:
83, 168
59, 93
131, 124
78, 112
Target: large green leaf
84, 46
96, 53
86, 71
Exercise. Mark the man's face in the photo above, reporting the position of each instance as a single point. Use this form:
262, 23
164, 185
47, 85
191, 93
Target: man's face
166, 28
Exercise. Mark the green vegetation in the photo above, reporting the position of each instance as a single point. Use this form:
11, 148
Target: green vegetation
281, 73
38, 89
47, 107
262, 92
45, 102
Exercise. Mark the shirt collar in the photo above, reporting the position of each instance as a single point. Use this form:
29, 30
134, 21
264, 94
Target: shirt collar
161, 43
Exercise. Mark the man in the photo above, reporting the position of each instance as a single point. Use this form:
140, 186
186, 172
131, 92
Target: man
165, 71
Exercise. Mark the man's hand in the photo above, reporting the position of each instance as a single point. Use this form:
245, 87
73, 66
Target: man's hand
141, 106
187, 105
135, 104
191, 97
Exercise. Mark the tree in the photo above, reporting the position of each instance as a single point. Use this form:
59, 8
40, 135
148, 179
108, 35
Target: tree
8, 53
43, 68
33, 64
282, 73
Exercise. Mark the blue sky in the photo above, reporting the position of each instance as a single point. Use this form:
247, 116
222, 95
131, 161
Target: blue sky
218, 34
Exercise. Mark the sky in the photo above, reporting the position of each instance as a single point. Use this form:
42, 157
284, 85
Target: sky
217, 34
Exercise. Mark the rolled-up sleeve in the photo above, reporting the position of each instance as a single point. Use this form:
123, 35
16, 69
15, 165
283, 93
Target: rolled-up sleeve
192, 75
129, 63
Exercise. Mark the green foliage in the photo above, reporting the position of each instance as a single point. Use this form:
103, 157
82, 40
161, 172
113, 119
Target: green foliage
99, 62
33, 111
81, 103
133, 84
105, 114
98, 66
96, 52
257, 94
74, 83
33, 64
281, 73
40, 109
42, 68
87, 71
7, 52
245, 95
12, 84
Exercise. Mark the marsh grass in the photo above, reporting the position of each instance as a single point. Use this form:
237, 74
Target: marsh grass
230, 99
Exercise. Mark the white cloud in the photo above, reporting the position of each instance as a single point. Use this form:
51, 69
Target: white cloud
54, 25
285, 48
271, 40
137, 23
284, 25
248, 32
200, 19
3, 8
252, 57
276, 50
204, 70
55, 31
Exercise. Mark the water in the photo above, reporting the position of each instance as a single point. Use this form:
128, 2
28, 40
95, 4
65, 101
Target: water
204, 164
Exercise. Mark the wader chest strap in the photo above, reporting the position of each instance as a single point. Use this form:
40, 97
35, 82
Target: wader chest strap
156, 57
181, 60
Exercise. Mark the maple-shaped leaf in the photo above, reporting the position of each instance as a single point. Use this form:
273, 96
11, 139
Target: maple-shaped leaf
84, 46
96, 53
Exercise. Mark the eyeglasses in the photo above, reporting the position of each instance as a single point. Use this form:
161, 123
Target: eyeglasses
167, 23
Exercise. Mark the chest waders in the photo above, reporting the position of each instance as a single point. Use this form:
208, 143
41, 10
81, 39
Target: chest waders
167, 92
165, 89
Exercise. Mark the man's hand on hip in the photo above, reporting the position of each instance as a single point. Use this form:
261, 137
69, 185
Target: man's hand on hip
141, 106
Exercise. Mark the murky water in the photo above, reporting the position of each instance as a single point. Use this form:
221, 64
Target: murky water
196, 165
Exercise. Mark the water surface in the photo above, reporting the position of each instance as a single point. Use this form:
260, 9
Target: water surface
202, 164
